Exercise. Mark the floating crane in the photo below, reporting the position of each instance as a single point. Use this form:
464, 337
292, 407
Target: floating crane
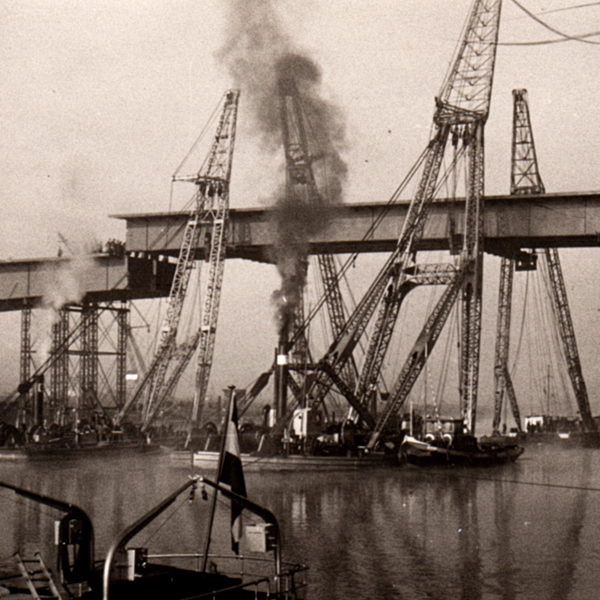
302, 189
462, 109
210, 210
526, 179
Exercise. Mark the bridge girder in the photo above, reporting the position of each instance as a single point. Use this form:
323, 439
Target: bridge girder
563, 220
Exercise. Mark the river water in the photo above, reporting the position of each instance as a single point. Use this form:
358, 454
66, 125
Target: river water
525, 530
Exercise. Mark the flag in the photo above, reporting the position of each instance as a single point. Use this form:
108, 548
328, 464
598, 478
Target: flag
231, 472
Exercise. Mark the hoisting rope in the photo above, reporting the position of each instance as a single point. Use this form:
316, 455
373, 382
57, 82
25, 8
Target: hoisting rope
561, 359
539, 325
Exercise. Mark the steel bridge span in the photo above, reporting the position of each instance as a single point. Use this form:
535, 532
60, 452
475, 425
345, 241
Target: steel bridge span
511, 223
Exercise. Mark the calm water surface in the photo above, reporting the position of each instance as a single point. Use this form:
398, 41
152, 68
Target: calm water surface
377, 534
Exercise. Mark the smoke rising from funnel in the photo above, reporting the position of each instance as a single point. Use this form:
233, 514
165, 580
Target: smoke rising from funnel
262, 59
65, 287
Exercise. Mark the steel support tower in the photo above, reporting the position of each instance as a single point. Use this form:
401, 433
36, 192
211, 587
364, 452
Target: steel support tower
209, 214
526, 179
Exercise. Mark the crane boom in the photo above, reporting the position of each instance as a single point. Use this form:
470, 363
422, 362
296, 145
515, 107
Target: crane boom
213, 195
419, 353
302, 190
390, 306
567, 334
462, 108
341, 349
526, 179
210, 209
466, 92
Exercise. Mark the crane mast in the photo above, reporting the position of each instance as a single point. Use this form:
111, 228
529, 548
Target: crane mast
210, 211
301, 186
462, 109
502, 378
215, 215
302, 190
526, 179
464, 103
301, 194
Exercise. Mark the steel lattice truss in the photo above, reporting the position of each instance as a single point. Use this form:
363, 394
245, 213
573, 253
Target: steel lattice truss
526, 179
503, 381
466, 93
211, 207
302, 189
461, 112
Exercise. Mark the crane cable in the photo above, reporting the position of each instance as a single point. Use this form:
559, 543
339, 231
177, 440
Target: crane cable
543, 310
562, 360
564, 36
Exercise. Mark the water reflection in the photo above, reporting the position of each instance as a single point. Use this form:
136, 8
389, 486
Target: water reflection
379, 534
438, 535
565, 574
506, 568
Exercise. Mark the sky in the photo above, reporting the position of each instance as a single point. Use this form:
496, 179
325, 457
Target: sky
101, 100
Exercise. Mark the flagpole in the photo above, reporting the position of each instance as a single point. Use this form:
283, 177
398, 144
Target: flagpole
219, 474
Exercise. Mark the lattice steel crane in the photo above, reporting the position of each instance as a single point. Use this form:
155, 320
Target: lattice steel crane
502, 378
302, 189
526, 179
216, 213
461, 112
210, 211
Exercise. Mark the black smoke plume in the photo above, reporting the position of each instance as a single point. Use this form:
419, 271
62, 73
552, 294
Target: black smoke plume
262, 58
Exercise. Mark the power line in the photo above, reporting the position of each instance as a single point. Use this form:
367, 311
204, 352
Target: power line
564, 36
587, 5
545, 42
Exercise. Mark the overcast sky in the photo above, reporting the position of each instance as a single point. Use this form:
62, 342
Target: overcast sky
101, 100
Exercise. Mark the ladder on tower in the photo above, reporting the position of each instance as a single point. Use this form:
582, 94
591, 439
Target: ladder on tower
38, 578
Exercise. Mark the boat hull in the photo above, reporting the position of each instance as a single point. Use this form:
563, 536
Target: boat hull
209, 461
423, 454
52, 452
569, 439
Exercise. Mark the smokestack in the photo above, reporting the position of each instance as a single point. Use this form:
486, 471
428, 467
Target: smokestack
38, 401
281, 373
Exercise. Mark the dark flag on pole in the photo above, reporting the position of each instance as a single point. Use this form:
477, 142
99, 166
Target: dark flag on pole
231, 472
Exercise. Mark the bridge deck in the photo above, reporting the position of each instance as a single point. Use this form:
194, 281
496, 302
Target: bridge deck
511, 223
97, 278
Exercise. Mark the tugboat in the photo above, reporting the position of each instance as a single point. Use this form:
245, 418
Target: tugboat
445, 443
301, 442
132, 573
135, 573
